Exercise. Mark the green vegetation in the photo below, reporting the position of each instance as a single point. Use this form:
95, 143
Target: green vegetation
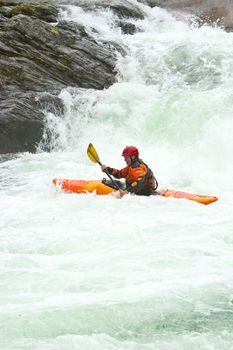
54, 31
22, 9
4, 3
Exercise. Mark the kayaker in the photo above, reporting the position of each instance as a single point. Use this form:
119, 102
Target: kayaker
139, 177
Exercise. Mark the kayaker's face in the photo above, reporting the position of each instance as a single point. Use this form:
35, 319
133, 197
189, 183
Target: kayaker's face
127, 160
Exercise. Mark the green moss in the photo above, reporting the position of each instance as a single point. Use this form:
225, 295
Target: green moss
68, 74
63, 61
11, 72
22, 9
54, 31
6, 3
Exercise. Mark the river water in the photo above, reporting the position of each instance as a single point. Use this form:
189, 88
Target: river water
95, 272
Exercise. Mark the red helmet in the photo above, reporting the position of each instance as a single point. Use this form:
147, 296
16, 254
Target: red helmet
130, 151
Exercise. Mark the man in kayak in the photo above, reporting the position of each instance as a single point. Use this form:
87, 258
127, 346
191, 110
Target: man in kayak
140, 179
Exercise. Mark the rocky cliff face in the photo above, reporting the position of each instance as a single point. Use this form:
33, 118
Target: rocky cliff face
40, 54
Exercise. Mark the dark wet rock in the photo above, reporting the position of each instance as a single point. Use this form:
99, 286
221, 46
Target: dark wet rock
44, 57
127, 27
21, 126
122, 8
50, 103
37, 57
43, 10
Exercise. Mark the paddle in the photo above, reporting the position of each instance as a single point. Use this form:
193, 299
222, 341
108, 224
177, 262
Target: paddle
93, 155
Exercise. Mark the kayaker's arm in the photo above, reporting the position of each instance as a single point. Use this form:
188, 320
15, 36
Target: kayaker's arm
118, 174
140, 174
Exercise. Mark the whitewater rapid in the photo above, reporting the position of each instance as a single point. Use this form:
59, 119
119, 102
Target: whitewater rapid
94, 272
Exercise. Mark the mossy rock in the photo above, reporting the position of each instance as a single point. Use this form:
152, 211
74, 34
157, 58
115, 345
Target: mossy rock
11, 72
54, 31
22, 9
43, 10
64, 61
7, 3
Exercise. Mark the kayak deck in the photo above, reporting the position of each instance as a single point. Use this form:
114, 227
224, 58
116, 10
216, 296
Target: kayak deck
96, 186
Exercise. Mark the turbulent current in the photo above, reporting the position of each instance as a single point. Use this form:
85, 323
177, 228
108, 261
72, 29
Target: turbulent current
95, 272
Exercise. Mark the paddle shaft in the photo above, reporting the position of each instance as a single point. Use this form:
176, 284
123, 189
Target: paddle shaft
93, 155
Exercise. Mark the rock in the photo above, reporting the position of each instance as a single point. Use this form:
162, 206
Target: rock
21, 125
210, 11
172, 4
127, 27
50, 103
43, 10
38, 57
122, 8
43, 57
220, 12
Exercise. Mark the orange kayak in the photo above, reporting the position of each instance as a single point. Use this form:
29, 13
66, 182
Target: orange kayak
83, 186
96, 186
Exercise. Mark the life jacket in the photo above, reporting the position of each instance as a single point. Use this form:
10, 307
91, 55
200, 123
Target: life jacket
139, 178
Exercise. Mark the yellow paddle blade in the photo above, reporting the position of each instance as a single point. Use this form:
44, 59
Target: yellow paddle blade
92, 154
